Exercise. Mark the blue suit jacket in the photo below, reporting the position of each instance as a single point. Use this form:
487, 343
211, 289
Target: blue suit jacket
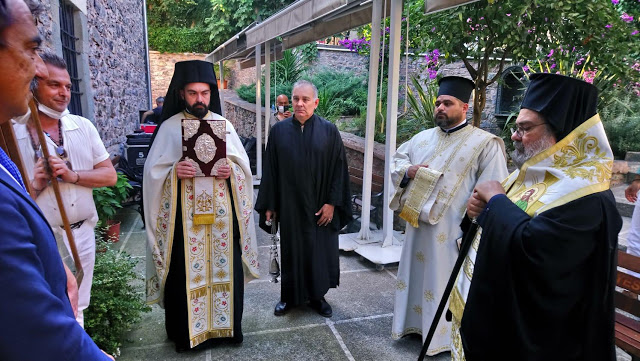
36, 319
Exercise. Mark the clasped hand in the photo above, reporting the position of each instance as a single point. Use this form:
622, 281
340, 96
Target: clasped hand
54, 166
481, 195
186, 169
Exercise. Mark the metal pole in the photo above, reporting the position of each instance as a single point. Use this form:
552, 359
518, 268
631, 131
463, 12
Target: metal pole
376, 17
221, 66
392, 117
258, 114
267, 90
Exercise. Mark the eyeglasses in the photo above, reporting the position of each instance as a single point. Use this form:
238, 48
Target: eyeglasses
521, 131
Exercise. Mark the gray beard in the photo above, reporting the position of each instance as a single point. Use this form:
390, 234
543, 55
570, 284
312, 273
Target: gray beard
521, 154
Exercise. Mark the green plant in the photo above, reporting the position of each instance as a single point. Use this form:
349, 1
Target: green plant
621, 120
109, 199
116, 304
288, 69
421, 104
179, 40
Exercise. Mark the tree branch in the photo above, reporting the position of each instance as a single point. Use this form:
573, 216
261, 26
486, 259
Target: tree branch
500, 68
469, 67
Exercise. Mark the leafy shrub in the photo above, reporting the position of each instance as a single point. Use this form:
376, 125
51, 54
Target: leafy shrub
116, 304
420, 110
180, 40
109, 199
621, 120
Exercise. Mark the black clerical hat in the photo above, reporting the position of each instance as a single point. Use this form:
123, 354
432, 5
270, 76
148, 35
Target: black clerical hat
564, 102
456, 86
191, 71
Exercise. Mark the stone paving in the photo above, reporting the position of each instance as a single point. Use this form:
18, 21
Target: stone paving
360, 328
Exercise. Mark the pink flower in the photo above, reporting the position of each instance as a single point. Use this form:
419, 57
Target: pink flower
626, 18
615, 2
635, 32
608, 26
508, 14
525, 68
469, 20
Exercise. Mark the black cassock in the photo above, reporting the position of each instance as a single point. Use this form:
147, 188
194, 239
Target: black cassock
543, 287
305, 168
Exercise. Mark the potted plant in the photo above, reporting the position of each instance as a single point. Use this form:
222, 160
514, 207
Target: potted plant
116, 302
227, 74
108, 200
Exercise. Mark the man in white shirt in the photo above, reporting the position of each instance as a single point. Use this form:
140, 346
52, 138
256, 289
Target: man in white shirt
78, 158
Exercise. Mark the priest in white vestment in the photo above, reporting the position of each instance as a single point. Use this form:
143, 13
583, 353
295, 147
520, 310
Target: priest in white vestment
196, 261
433, 175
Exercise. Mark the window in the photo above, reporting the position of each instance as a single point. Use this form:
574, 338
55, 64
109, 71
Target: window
510, 91
70, 54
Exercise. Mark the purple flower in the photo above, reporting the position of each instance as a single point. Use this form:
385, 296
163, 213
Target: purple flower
550, 54
615, 2
525, 68
635, 32
434, 28
608, 26
553, 66
626, 18
436, 53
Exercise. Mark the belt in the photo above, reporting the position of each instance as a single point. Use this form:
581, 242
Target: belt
76, 225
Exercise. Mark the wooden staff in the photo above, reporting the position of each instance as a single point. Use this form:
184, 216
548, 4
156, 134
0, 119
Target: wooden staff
467, 240
56, 191
10, 146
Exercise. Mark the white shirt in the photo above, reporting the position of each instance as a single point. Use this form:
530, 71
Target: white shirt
84, 149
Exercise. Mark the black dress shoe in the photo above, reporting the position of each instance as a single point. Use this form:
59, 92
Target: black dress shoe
322, 307
281, 309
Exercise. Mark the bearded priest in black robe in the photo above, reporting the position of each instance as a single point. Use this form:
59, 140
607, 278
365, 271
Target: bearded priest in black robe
305, 188
539, 281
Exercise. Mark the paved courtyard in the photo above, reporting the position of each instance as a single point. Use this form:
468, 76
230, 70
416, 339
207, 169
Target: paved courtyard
360, 328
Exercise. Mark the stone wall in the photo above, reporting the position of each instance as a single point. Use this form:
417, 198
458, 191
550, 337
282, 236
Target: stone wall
162, 66
117, 62
112, 63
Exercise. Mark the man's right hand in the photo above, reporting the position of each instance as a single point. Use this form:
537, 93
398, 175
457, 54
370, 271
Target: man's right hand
269, 214
185, 169
287, 114
411, 172
40, 175
631, 193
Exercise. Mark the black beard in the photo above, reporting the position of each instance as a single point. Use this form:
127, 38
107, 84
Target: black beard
199, 112
443, 121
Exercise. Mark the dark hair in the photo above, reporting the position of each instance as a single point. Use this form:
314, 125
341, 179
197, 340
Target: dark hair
53, 59
6, 15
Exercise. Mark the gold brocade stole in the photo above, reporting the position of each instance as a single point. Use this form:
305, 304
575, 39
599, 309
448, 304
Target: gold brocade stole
578, 165
462, 148
209, 265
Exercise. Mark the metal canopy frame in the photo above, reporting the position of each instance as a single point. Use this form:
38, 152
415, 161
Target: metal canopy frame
306, 21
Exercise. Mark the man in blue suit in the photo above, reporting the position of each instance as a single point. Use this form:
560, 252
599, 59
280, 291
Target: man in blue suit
36, 318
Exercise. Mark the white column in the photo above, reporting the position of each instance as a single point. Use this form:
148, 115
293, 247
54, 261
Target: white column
258, 115
392, 116
376, 17
267, 89
221, 86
